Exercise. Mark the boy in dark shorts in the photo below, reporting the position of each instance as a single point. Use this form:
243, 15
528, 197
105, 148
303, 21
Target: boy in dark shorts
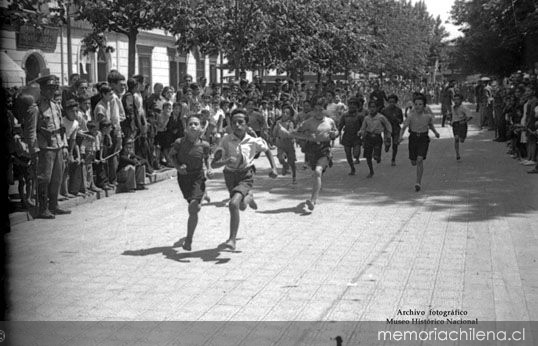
459, 122
237, 152
372, 127
351, 123
188, 155
419, 123
394, 115
318, 131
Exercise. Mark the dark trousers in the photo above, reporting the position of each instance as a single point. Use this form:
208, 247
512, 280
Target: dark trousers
50, 172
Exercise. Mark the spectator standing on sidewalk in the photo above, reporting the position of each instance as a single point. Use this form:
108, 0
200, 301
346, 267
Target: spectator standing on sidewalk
52, 149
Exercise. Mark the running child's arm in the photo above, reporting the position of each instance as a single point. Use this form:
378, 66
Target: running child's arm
270, 158
405, 125
430, 125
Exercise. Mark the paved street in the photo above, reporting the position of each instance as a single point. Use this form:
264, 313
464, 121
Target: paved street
467, 241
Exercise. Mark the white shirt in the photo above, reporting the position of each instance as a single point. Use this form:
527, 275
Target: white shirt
244, 150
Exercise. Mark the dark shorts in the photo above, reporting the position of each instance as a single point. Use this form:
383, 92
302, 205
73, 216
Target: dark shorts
395, 134
288, 151
192, 185
239, 181
314, 151
372, 145
418, 145
351, 140
459, 129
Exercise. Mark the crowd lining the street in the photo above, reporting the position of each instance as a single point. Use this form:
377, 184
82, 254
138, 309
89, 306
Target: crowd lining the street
111, 135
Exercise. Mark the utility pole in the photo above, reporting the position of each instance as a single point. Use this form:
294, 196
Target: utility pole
69, 43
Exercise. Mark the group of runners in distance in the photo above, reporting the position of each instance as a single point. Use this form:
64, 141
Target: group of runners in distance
367, 129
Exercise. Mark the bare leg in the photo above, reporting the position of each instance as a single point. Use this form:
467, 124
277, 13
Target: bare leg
234, 219
457, 147
194, 208
316, 187
420, 171
349, 159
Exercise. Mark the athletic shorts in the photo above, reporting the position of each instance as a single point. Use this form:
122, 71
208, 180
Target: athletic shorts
314, 151
350, 140
372, 145
239, 181
418, 145
288, 151
192, 185
459, 128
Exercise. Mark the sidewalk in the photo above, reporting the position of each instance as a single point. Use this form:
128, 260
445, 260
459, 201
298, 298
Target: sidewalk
18, 215
468, 241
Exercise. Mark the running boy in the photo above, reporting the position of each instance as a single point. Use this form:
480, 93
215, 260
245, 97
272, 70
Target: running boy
188, 155
419, 123
237, 152
351, 123
459, 120
285, 143
394, 115
372, 127
318, 131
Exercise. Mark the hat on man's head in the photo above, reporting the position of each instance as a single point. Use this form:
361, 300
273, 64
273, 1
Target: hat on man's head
104, 123
71, 103
49, 80
355, 100
128, 140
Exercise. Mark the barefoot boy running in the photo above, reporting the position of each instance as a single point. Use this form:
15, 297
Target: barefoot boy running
188, 155
419, 123
237, 152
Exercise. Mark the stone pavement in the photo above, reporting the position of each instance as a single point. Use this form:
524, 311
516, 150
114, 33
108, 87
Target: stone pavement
467, 241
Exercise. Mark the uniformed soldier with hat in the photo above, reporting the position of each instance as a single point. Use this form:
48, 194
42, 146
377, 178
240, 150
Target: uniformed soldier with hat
52, 149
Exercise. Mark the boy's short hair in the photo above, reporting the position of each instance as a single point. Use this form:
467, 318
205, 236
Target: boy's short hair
241, 111
393, 96
419, 96
82, 98
104, 123
91, 124
105, 89
115, 77
138, 78
192, 116
372, 102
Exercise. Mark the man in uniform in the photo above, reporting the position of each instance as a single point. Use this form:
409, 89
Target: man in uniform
52, 149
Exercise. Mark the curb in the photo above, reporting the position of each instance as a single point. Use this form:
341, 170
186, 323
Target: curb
21, 216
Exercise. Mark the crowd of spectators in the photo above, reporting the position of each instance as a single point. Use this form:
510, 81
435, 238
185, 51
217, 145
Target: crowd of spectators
121, 130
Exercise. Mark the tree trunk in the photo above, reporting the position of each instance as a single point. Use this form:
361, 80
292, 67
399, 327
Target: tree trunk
132, 52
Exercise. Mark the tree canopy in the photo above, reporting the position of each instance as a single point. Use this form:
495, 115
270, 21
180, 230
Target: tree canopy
495, 34
318, 35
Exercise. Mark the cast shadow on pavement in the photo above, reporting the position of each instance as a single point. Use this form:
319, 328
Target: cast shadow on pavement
207, 255
485, 185
298, 209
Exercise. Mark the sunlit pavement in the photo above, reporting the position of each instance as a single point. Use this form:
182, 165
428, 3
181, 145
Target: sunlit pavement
467, 241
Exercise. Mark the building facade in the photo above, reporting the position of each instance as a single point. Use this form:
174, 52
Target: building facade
45, 51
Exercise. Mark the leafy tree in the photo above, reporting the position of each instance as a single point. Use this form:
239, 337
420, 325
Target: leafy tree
495, 34
125, 17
